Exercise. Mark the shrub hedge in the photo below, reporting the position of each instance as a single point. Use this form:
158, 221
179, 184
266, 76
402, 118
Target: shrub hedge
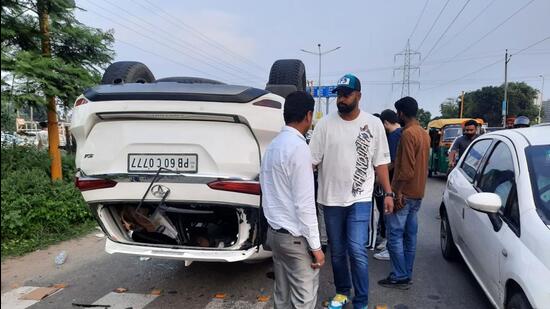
37, 212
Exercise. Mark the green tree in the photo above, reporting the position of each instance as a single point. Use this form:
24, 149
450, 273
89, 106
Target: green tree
52, 57
423, 117
78, 52
486, 103
449, 108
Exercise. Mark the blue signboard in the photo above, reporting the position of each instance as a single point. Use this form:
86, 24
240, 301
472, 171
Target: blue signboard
326, 91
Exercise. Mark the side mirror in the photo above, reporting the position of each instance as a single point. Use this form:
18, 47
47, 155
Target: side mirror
489, 203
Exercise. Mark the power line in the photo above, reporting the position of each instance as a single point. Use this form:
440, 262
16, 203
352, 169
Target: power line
419, 19
433, 25
206, 38
468, 24
444, 32
490, 31
175, 42
168, 46
189, 46
489, 65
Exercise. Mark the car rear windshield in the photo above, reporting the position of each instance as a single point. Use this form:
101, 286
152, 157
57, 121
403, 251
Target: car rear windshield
538, 159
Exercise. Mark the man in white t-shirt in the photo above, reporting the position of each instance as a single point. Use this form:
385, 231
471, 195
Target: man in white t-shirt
42, 136
347, 148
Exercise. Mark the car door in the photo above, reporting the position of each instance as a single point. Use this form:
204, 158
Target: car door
485, 234
460, 186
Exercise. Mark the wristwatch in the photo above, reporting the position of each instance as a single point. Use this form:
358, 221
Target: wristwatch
391, 194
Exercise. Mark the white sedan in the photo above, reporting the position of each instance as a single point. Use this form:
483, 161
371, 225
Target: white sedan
496, 214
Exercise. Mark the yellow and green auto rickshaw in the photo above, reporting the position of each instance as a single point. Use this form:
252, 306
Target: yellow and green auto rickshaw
442, 134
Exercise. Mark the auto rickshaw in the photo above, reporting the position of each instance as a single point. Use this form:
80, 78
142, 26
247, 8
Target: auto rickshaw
442, 134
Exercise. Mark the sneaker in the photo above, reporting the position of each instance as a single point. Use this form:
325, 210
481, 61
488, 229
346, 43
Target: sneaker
383, 255
382, 244
403, 284
338, 302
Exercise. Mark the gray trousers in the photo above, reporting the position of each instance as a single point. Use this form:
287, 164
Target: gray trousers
296, 283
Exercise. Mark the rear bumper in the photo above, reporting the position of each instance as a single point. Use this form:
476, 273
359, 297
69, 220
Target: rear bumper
112, 247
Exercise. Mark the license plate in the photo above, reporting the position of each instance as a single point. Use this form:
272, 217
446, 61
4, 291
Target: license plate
151, 162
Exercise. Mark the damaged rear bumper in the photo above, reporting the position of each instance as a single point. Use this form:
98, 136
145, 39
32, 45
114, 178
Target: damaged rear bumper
113, 247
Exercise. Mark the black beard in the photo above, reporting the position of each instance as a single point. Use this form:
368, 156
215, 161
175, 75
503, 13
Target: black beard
345, 109
470, 136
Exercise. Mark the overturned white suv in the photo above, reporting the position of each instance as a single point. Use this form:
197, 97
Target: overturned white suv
169, 167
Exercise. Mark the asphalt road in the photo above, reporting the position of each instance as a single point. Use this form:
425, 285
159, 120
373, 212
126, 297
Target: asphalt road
437, 283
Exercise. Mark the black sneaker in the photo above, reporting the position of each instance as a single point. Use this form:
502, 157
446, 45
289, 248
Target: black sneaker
403, 284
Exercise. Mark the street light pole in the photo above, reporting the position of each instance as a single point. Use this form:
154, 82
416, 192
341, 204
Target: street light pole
541, 97
319, 53
505, 101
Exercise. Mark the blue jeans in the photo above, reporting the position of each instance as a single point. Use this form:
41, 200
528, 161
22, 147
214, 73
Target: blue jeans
401, 230
348, 231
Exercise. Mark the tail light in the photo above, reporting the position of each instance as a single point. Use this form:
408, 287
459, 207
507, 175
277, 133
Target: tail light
80, 101
85, 184
249, 187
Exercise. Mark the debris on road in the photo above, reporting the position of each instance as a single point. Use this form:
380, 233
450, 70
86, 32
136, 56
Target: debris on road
39, 294
263, 299
120, 290
100, 235
220, 296
156, 292
90, 305
144, 258
59, 285
61, 258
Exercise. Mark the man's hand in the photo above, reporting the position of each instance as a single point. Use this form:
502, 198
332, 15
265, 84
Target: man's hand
318, 259
388, 205
399, 201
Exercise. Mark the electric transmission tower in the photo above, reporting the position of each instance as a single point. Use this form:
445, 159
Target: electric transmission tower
406, 82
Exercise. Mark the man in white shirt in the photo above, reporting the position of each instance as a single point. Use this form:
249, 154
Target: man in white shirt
42, 136
348, 147
288, 203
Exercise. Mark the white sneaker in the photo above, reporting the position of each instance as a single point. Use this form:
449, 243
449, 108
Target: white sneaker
383, 255
382, 244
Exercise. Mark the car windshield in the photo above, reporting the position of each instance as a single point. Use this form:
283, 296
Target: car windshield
452, 132
538, 159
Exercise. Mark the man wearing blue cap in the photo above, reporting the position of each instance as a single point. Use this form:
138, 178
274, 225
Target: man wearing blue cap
347, 148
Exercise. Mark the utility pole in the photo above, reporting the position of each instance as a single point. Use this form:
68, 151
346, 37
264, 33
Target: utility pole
406, 82
461, 104
53, 133
320, 53
541, 97
505, 101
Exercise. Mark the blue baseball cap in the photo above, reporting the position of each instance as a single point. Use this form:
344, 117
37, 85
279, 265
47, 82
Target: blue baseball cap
348, 81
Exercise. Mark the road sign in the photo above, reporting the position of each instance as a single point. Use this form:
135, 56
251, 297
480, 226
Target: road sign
325, 91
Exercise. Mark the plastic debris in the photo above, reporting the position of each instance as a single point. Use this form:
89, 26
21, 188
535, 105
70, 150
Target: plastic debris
263, 298
59, 285
61, 258
156, 292
121, 290
220, 296
99, 235
144, 258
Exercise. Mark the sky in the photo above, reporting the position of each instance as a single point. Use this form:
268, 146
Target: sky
460, 43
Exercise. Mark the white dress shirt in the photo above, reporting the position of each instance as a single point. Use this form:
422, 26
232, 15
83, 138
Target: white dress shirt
286, 178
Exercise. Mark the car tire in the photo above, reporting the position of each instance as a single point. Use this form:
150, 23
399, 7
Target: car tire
448, 246
518, 300
288, 72
189, 80
123, 72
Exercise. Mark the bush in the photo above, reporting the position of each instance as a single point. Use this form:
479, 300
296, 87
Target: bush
35, 210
